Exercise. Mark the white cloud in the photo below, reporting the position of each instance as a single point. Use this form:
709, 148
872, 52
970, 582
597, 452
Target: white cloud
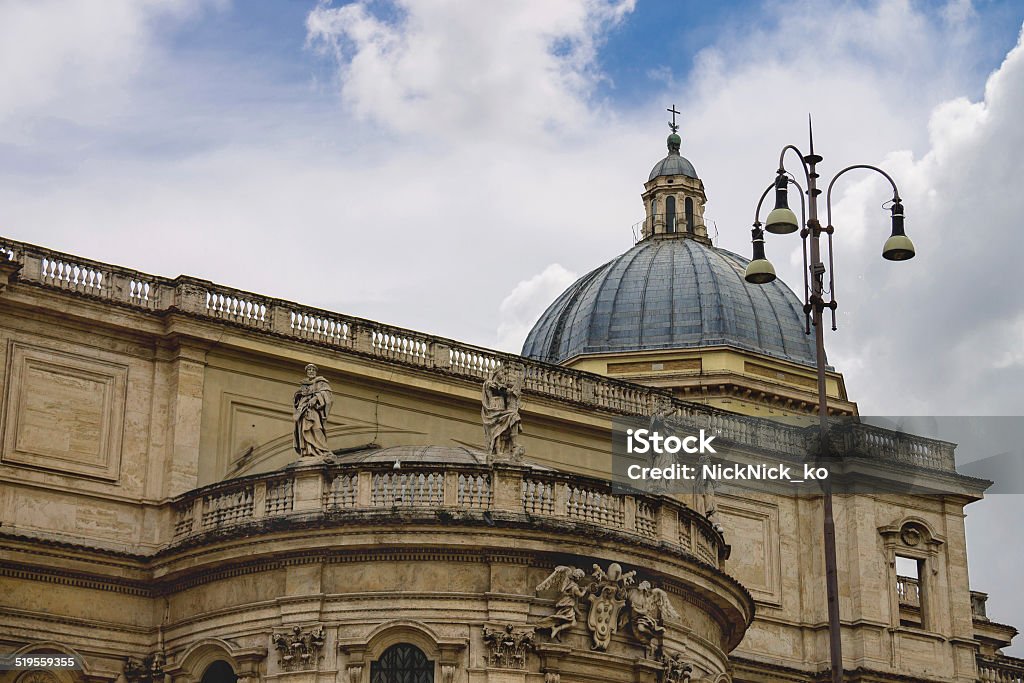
527, 300
73, 59
521, 67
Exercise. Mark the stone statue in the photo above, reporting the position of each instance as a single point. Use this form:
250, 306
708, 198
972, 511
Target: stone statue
502, 394
312, 406
660, 423
567, 581
648, 608
704, 493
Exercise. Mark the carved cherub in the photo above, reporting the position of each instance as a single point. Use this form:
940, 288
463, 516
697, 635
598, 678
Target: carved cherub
566, 580
614, 575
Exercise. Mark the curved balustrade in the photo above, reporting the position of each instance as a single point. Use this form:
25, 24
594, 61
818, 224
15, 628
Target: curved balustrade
1000, 669
203, 299
529, 496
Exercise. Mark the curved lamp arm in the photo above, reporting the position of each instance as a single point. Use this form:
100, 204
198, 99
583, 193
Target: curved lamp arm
757, 211
782, 155
828, 194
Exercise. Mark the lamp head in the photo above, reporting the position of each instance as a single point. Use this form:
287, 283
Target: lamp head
898, 247
760, 270
781, 221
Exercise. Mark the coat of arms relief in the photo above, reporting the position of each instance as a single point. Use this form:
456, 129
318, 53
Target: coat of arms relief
612, 600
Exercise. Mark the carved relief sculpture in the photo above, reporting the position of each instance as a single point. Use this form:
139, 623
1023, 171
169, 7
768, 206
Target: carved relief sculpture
507, 646
607, 597
676, 670
149, 669
614, 603
566, 580
502, 394
647, 609
298, 648
312, 402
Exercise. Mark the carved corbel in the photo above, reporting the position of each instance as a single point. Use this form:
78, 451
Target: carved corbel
149, 669
299, 649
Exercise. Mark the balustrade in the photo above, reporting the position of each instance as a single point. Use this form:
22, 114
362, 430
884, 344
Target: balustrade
909, 591
206, 299
280, 497
1001, 669
227, 507
441, 486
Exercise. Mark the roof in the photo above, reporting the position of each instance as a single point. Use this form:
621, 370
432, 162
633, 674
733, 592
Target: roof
671, 294
673, 164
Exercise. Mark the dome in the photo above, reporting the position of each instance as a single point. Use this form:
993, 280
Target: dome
671, 294
673, 164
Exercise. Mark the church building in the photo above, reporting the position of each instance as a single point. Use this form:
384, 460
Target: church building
207, 485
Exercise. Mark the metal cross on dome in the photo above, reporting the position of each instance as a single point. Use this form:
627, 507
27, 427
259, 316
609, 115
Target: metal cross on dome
673, 125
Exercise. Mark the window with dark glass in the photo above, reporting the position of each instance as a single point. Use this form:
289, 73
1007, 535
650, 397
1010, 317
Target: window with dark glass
402, 663
688, 207
670, 214
219, 672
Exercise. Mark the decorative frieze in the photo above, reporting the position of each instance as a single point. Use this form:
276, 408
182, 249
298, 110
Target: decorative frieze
299, 648
507, 647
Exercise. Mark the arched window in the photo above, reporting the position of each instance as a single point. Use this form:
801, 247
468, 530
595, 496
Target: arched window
670, 214
688, 204
219, 672
402, 663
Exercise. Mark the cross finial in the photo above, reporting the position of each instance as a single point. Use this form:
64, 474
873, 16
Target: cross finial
673, 125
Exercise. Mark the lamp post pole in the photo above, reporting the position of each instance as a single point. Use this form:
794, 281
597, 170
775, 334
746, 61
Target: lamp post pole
760, 271
817, 301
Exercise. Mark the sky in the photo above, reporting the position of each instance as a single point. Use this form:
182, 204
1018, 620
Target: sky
452, 166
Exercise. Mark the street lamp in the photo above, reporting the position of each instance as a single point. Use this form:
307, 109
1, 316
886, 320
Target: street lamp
760, 271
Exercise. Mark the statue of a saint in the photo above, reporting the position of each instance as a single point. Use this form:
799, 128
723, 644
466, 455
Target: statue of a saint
312, 406
704, 489
500, 413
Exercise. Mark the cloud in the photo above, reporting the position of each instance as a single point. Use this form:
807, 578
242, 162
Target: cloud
519, 67
71, 59
525, 303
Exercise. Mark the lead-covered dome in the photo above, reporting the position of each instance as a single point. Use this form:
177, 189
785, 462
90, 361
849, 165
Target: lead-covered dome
671, 294
674, 163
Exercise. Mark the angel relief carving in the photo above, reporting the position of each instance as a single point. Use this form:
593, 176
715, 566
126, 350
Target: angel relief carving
614, 603
647, 609
566, 580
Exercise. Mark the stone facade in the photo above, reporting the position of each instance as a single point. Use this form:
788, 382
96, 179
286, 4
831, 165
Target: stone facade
155, 522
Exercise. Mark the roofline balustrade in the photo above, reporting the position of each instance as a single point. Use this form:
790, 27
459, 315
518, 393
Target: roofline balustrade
206, 300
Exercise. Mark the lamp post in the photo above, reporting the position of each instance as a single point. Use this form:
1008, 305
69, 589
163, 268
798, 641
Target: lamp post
781, 220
